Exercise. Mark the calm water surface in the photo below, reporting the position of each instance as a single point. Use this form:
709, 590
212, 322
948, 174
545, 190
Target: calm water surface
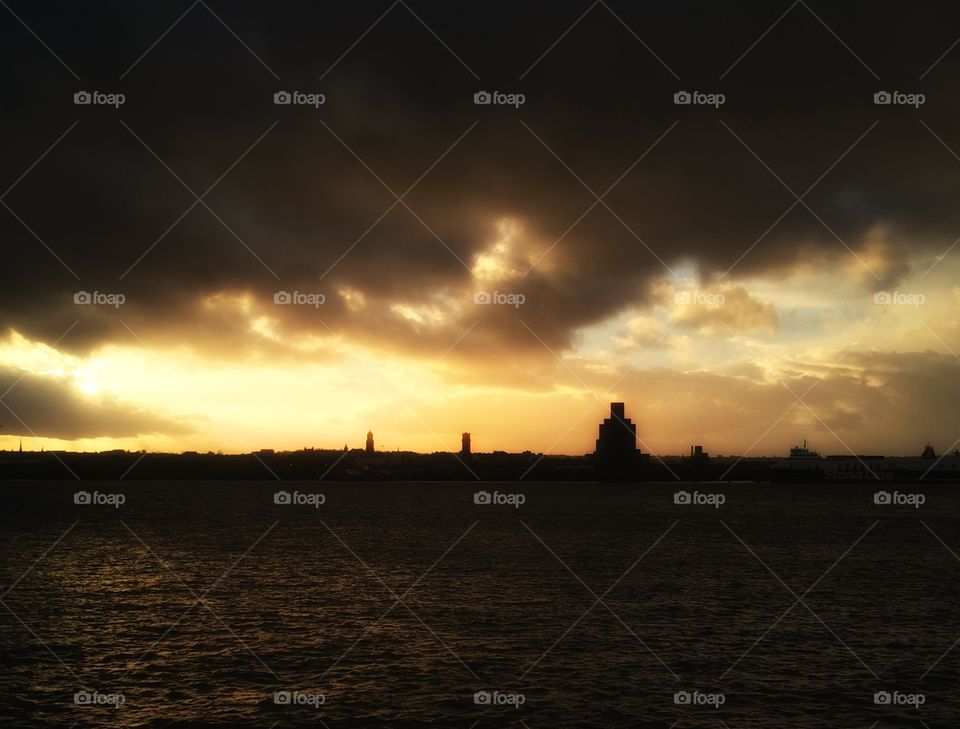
392, 605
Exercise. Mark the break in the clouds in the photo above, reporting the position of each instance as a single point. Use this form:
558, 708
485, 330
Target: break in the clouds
57, 410
401, 203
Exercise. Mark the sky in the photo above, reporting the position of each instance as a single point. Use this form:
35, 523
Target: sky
202, 268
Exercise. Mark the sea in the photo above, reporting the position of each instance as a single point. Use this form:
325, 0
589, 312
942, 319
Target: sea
200, 605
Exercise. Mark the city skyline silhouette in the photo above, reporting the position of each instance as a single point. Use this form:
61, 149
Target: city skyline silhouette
408, 364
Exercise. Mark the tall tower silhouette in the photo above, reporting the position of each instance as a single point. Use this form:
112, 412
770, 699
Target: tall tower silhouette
616, 452
370, 448
465, 444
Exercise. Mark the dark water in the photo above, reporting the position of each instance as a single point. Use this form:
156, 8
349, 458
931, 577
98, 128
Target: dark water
303, 599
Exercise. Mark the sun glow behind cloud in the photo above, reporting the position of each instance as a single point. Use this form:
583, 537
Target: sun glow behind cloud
684, 364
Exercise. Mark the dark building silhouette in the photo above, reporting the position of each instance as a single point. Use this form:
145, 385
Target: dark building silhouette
370, 448
465, 444
617, 454
928, 452
618, 435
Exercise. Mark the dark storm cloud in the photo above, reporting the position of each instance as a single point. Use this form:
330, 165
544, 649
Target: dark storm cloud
51, 407
299, 198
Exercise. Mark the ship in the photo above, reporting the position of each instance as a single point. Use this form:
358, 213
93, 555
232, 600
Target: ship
805, 464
